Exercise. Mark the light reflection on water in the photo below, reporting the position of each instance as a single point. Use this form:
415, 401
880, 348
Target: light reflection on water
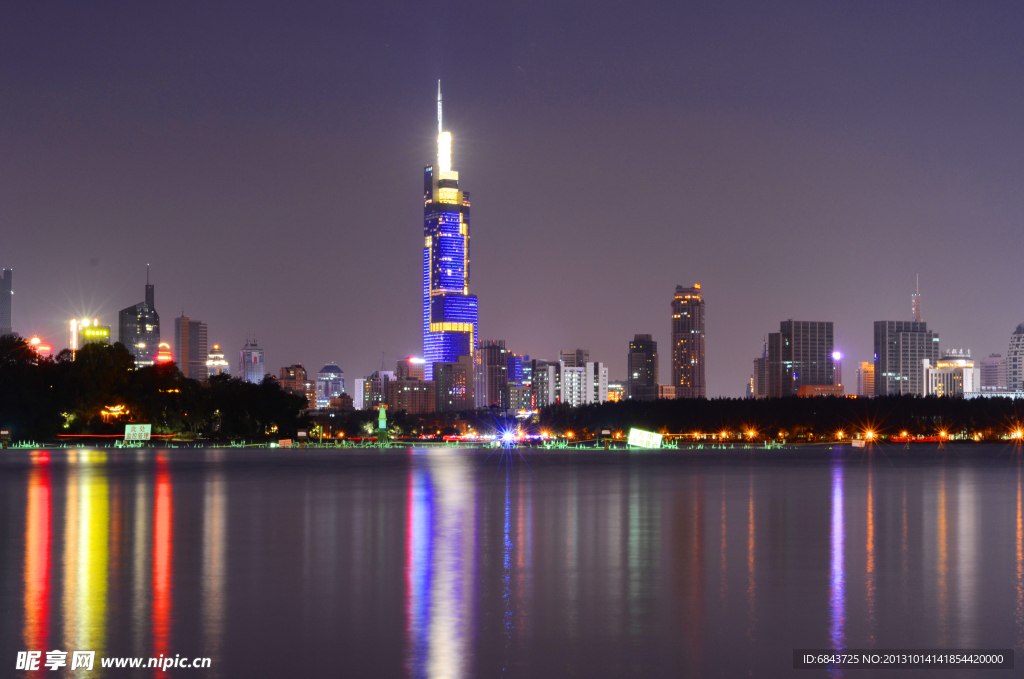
440, 563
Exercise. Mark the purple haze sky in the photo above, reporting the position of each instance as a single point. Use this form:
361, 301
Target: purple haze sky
798, 160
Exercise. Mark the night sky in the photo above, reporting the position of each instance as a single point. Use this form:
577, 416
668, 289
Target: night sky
798, 160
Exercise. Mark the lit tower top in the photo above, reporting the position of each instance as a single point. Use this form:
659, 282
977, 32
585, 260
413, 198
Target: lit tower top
449, 311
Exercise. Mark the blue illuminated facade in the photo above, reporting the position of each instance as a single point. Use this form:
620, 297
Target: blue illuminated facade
449, 311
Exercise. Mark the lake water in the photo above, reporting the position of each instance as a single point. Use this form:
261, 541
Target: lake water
454, 563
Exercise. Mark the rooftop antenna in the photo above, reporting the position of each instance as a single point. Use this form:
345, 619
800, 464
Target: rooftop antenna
915, 300
147, 274
439, 128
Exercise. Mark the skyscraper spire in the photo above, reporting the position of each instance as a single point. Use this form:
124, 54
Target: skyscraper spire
915, 301
444, 140
449, 311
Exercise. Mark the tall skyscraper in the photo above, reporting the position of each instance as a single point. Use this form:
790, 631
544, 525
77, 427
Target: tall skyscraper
688, 375
190, 348
993, 373
330, 383
251, 363
642, 364
449, 311
492, 374
866, 379
800, 354
900, 346
1015, 360
138, 328
759, 380
6, 301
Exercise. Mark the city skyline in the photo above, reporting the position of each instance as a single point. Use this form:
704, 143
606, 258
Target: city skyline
111, 173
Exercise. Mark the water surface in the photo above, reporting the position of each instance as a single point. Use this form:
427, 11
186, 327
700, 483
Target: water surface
456, 563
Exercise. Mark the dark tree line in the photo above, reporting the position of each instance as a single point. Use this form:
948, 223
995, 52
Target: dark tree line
42, 397
797, 418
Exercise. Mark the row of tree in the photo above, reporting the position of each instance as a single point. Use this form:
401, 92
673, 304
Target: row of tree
797, 418
97, 390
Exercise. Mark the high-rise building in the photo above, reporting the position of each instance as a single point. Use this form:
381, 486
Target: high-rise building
688, 374
518, 369
759, 380
375, 388
216, 364
250, 363
866, 379
837, 368
330, 383
6, 301
574, 358
414, 396
491, 374
455, 385
544, 385
449, 311
993, 373
359, 393
411, 369
799, 354
900, 346
1015, 360
294, 379
642, 369
190, 348
580, 385
138, 329
952, 375
519, 398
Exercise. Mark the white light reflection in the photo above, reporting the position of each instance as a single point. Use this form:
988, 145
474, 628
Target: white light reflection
440, 567
837, 573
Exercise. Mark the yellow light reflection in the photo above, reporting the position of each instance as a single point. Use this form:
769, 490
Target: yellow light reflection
86, 550
870, 565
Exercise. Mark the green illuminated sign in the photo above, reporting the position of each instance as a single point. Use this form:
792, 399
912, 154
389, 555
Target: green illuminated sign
639, 438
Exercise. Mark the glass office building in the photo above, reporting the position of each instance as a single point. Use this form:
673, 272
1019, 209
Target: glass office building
449, 311
138, 329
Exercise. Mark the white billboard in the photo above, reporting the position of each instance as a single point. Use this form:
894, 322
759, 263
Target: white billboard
137, 432
644, 439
